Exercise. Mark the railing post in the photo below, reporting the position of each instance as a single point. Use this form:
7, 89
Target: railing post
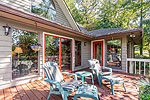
144, 68
139, 67
135, 67
127, 66
149, 68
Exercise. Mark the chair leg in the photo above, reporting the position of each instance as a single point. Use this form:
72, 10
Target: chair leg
64, 96
49, 95
100, 82
92, 79
112, 88
83, 79
75, 97
124, 86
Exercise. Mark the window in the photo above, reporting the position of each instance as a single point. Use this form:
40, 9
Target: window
114, 53
58, 50
24, 59
44, 8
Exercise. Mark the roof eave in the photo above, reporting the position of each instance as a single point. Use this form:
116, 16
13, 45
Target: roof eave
18, 13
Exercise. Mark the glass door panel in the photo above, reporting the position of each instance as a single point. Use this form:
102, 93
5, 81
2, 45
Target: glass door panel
98, 51
65, 54
58, 49
77, 53
52, 49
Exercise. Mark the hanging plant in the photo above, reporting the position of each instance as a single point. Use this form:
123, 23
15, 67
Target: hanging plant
36, 47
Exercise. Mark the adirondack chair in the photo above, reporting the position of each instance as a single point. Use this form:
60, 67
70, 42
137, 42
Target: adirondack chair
92, 62
57, 83
96, 68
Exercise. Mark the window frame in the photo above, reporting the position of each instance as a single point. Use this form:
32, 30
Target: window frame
107, 53
38, 55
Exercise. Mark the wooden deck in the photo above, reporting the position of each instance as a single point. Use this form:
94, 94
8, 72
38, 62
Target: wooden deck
38, 90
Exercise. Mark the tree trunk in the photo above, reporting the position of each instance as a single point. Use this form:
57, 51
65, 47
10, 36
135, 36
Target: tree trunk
141, 25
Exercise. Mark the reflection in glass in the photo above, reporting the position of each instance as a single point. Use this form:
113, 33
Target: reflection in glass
65, 54
98, 52
114, 53
52, 49
77, 53
24, 59
44, 8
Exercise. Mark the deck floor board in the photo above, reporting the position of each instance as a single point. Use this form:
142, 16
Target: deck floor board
39, 89
2, 94
23, 94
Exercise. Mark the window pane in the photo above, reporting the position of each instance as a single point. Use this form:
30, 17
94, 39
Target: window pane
114, 53
52, 49
24, 59
77, 53
44, 8
98, 50
65, 54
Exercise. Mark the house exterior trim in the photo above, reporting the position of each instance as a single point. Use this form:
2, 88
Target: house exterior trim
5, 11
67, 13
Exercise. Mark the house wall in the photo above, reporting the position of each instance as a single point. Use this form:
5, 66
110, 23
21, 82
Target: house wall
6, 53
124, 51
85, 53
25, 6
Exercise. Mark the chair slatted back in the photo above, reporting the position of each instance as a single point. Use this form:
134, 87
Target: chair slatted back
94, 63
53, 72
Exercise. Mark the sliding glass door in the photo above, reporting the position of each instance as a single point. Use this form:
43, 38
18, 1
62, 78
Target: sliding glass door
98, 51
59, 50
65, 54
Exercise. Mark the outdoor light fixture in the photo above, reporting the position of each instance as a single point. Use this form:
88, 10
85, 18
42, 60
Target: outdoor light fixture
132, 35
85, 43
7, 29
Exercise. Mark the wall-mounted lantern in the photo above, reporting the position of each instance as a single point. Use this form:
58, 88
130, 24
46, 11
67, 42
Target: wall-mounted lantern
7, 29
85, 43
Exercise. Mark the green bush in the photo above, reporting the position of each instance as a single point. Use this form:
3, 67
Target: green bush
144, 92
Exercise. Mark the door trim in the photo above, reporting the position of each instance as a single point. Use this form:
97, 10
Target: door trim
61, 37
93, 50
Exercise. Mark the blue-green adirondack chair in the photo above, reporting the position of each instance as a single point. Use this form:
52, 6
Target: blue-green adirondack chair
96, 68
57, 84
92, 63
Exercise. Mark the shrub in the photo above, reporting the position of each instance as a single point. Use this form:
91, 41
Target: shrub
144, 92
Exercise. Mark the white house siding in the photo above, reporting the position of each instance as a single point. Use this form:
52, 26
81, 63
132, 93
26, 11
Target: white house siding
124, 53
85, 53
60, 17
6, 55
25, 5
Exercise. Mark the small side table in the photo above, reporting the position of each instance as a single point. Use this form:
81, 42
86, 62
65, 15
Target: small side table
114, 80
84, 74
87, 90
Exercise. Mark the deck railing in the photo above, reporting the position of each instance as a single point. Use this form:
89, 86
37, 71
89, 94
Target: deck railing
138, 66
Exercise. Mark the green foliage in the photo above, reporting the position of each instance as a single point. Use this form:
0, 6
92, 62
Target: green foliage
144, 92
96, 14
24, 40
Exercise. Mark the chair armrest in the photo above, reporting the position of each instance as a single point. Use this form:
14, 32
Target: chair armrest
93, 69
75, 76
110, 69
57, 84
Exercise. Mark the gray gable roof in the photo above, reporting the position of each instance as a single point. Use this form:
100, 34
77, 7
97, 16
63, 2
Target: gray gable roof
108, 31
